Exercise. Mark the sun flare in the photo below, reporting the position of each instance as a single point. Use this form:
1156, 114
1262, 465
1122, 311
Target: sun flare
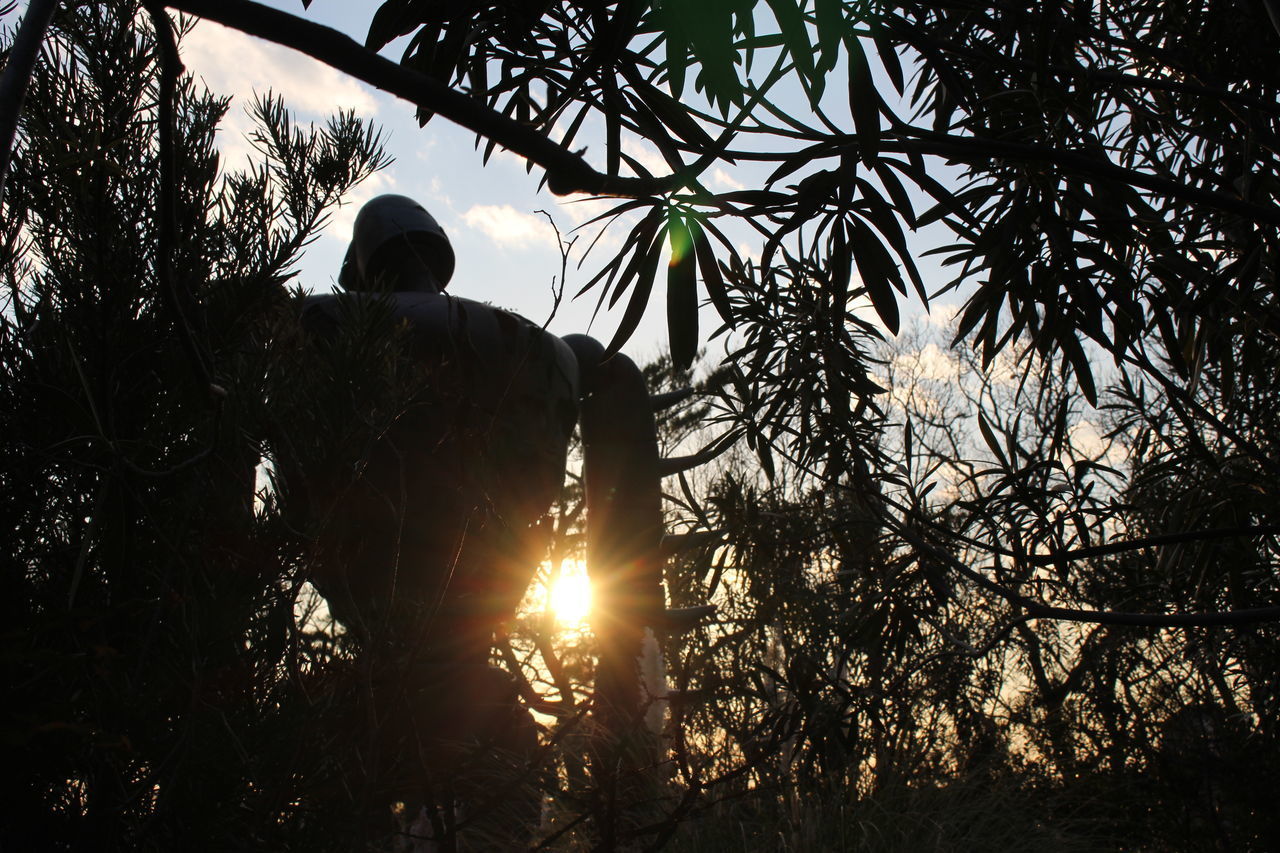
571, 596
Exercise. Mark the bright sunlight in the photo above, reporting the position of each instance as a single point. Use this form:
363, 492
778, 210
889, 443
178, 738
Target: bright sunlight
571, 595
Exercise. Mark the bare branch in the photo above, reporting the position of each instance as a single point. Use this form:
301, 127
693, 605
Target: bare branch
166, 215
1040, 610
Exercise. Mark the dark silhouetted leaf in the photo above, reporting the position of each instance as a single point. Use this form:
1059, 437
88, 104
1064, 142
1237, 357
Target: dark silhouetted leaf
892, 65
1080, 366
673, 114
795, 33
882, 216
901, 201
710, 269
832, 27
641, 239
879, 273
841, 264
989, 436
640, 291
864, 102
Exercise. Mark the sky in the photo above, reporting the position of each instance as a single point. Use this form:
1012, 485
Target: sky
500, 224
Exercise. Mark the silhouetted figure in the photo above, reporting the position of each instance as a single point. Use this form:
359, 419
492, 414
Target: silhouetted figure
432, 545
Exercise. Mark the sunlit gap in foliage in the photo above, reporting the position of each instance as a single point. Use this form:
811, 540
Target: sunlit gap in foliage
568, 594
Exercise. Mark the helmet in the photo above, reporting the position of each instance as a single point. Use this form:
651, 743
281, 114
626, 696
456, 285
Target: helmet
390, 230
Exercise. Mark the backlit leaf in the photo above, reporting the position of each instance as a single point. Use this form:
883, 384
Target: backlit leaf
682, 295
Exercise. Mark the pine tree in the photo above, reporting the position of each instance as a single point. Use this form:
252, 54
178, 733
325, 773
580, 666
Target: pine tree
149, 645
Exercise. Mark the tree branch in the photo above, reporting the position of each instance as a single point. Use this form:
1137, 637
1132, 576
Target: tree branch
566, 171
1039, 610
16, 78
974, 149
1146, 542
166, 207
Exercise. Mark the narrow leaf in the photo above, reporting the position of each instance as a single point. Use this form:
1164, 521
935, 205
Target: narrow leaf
682, 296
710, 269
673, 114
1075, 355
393, 19
795, 32
831, 26
864, 102
878, 273
639, 295
642, 237
989, 436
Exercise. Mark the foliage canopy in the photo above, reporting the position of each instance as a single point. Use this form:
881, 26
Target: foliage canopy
937, 586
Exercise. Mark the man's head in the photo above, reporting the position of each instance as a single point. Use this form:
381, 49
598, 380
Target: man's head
396, 244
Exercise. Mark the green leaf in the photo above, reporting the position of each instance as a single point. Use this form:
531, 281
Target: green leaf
709, 29
682, 295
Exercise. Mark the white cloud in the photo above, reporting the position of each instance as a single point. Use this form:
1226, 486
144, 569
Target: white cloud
1089, 440
942, 316
646, 155
510, 158
507, 226
934, 363
721, 179
1086, 437
233, 63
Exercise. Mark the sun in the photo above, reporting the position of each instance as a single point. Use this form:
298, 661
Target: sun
571, 595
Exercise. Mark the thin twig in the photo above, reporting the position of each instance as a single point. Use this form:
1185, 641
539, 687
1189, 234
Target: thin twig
1040, 610
166, 206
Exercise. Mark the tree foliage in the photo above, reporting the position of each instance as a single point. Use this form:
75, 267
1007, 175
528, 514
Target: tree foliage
1042, 564
148, 598
1118, 190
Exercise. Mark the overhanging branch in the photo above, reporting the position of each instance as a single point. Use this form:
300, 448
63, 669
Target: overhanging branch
566, 171
973, 150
